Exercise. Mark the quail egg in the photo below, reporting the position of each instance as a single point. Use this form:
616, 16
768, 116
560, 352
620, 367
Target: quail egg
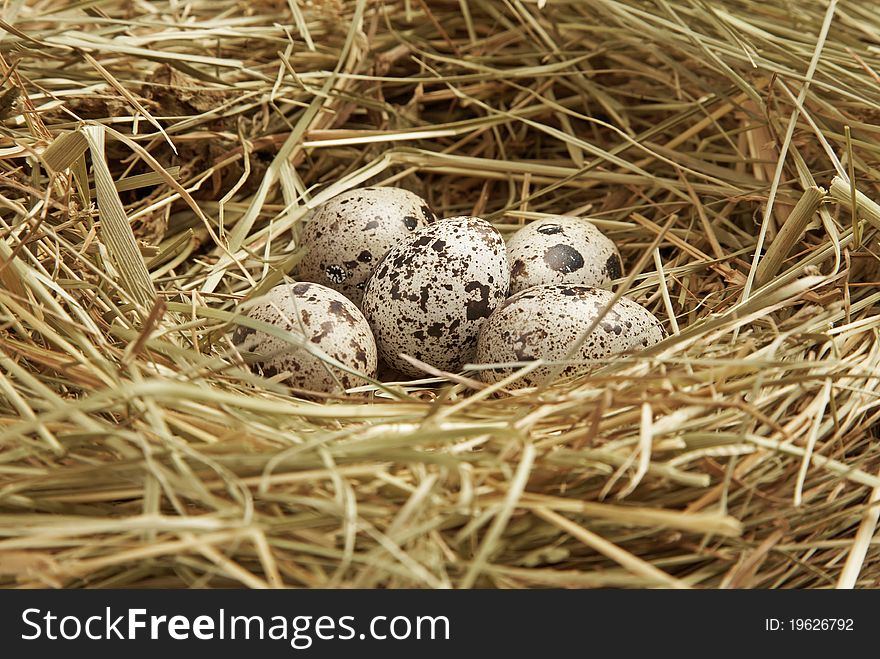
545, 322
348, 235
432, 291
562, 250
314, 315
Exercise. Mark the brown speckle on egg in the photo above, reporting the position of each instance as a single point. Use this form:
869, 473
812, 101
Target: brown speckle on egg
563, 258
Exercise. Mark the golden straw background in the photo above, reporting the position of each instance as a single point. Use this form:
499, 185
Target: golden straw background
157, 160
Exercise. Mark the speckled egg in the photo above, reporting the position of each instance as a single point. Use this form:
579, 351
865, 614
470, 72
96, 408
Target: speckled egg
545, 322
562, 250
322, 317
431, 292
347, 236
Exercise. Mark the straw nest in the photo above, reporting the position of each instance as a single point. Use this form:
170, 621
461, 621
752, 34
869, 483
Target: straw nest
158, 159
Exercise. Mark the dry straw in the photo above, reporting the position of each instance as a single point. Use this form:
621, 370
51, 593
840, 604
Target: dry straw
157, 161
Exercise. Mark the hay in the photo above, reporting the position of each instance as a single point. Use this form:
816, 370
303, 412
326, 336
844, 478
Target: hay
158, 158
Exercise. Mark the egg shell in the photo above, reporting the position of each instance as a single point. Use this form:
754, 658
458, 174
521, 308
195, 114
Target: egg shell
562, 250
545, 322
431, 292
323, 317
349, 234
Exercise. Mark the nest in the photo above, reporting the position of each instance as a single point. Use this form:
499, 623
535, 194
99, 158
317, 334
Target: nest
157, 162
